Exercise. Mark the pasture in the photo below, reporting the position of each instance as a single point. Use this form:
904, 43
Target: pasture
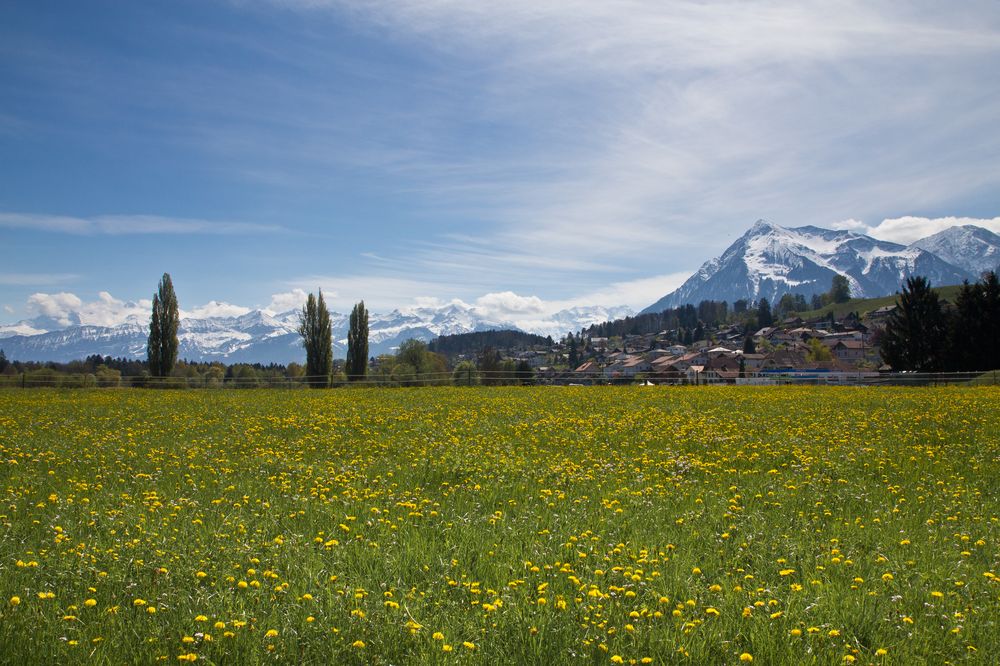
596, 525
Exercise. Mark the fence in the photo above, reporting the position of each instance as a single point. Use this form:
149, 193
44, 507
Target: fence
30, 381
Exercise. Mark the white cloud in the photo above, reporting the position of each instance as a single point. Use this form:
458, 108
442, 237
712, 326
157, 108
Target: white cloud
117, 225
8, 309
286, 301
507, 304
68, 309
215, 309
910, 228
60, 307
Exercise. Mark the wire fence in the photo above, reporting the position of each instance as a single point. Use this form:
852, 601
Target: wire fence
473, 378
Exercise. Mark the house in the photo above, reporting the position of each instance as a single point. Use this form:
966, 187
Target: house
599, 344
848, 350
676, 362
670, 372
784, 360
711, 376
753, 362
723, 364
879, 315
589, 369
635, 366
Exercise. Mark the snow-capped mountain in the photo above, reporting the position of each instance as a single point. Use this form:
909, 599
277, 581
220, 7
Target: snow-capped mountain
259, 337
769, 261
968, 246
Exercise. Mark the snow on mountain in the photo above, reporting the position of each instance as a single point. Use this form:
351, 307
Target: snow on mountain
261, 337
969, 246
769, 261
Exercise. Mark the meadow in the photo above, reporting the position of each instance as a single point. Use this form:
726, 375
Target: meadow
600, 525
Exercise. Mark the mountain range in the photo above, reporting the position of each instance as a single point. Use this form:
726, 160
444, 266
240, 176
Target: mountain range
769, 261
260, 337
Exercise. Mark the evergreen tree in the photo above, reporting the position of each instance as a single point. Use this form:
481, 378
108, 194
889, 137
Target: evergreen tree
764, 316
915, 332
161, 347
748, 345
357, 343
975, 326
574, 356
317, 338
3, 361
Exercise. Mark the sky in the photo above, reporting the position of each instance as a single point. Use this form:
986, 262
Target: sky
525, 154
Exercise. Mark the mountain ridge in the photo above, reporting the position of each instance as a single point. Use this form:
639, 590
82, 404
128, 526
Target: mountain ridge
262, 337
768, 261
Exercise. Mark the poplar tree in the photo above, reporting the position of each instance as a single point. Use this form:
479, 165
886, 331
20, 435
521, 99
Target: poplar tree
317, 338
161, 348
357, 343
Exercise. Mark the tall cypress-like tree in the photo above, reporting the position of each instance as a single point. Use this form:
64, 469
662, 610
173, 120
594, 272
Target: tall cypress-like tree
357, 343
764, 316
317, 338
915, 332
161, 348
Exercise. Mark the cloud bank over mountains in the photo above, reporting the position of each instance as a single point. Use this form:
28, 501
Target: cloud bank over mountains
50, 311
909, 228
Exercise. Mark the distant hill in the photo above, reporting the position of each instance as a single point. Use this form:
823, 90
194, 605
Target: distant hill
471, 343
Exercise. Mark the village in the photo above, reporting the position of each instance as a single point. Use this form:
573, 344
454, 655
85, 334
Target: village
824, 350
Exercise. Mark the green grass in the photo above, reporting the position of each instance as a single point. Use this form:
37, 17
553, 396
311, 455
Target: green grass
865, 305
538, 525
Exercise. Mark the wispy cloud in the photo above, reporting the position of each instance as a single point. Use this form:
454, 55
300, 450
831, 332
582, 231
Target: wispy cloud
670, 126
118, 225
36, 279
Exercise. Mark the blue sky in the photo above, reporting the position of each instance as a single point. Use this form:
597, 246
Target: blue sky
521, 152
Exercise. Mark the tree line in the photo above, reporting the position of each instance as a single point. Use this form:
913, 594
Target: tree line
471, 343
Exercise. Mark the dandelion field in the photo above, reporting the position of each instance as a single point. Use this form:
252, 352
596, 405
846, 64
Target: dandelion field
598, 525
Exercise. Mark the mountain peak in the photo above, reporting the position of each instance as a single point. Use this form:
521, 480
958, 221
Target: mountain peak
971, 247
769, 261
762, 226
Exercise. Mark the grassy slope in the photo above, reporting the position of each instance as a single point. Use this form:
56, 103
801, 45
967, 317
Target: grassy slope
863, 305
